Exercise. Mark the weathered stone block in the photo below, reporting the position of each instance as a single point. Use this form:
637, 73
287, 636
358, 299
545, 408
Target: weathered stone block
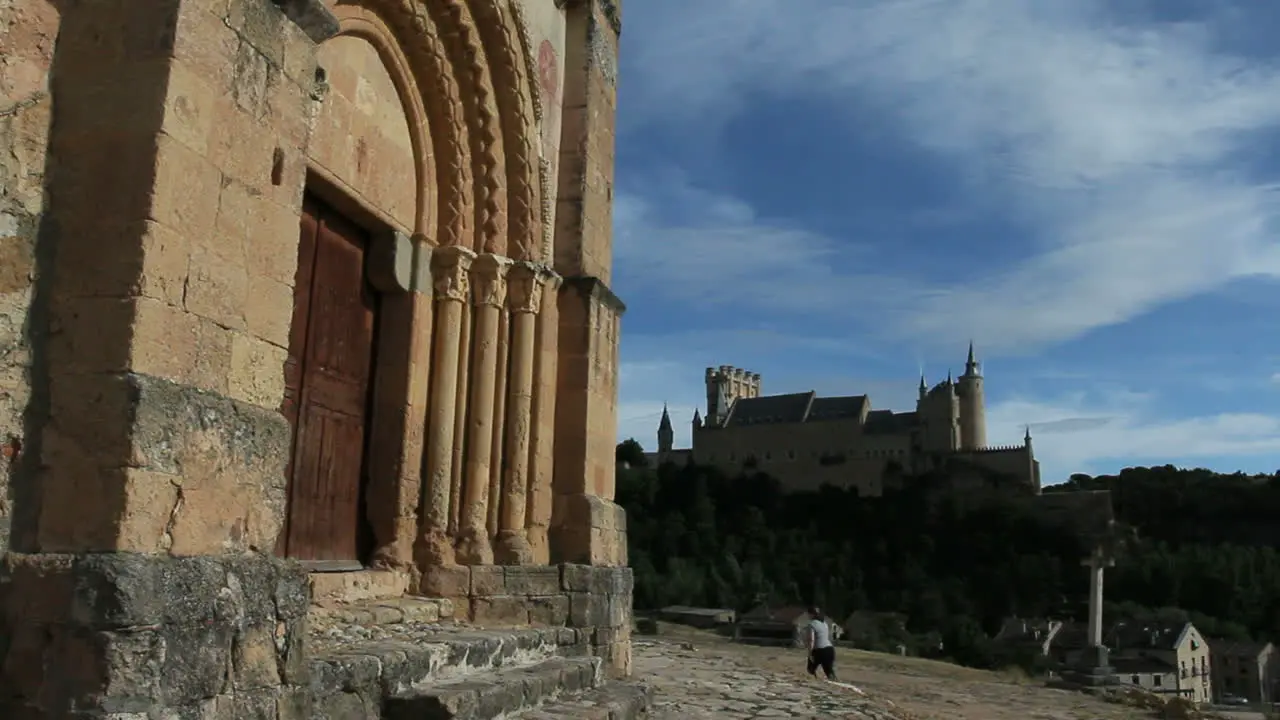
446, 582
552, 610
532, 580
487, 580
500, 610
146, 633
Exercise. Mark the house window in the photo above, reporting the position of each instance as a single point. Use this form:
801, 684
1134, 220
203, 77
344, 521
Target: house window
1136, 680
1157, 681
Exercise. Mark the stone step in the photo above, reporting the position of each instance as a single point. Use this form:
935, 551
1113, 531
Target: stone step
485, 696
354, 668
389, 611
615, 701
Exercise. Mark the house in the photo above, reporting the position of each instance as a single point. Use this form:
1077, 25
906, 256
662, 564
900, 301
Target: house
1179, 646
1028, 633
1149, 673
778, 626
1244, 669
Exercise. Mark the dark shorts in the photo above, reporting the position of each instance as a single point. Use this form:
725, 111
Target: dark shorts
824, 658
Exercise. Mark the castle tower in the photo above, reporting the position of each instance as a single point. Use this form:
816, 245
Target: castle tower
666, 435
973, 411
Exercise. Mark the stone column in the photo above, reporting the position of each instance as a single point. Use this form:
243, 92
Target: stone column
490, 289
525, 299
450, 267
543, 423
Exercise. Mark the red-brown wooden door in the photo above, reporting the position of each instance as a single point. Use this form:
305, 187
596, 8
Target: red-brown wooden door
327, 380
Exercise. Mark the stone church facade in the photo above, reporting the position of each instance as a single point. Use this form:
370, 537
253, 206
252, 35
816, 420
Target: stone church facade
806, 441
292, 287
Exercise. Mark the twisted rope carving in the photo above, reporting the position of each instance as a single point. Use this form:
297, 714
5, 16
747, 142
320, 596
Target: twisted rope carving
417, 32
480, 107
500, 35
530, 62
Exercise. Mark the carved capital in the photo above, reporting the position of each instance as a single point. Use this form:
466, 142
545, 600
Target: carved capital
551, 281
449, 272
524, 287
489, 280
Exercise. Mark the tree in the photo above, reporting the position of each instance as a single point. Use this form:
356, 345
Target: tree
630, 453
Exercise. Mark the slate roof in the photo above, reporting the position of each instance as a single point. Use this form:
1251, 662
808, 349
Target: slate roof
770, 409
837, 408
1129, 636
1237, 648
888, 422
1140, 665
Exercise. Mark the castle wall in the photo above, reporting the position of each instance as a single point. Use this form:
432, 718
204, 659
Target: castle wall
28, 30
804, 456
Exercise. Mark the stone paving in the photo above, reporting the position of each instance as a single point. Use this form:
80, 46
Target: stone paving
689, 681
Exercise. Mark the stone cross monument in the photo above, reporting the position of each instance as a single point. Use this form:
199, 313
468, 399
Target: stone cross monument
1095, 665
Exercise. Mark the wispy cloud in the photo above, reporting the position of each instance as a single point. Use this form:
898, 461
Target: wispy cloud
1078, 434
1119, 147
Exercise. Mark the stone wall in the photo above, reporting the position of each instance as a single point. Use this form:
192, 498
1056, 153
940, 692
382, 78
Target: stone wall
27, 32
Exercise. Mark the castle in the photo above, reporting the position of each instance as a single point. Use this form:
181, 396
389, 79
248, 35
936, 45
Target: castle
807, 441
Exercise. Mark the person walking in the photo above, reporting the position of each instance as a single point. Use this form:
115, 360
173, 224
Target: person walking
822, 653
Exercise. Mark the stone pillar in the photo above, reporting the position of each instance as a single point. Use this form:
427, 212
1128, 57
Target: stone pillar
542, 428
587, 527
499, 461
400, 407
490, 289
525, 300
450, 267
145, 586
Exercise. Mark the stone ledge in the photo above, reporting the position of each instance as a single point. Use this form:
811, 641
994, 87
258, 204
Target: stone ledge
615, 701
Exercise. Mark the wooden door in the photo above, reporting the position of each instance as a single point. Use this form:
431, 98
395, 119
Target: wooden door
327, 380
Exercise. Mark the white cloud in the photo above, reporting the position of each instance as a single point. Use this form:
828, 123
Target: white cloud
1119, 149
1074, 434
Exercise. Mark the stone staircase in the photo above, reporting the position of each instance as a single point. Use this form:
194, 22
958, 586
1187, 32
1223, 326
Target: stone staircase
406, 659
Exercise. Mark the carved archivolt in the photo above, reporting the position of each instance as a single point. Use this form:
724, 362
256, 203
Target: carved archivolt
502, 35
468, 57
471, 63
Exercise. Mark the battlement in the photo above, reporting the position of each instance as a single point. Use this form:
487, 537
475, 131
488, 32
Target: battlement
993, 449
738, 382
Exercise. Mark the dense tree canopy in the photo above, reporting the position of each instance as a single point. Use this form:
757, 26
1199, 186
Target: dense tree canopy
1206, 550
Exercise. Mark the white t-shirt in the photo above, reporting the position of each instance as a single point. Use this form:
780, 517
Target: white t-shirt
821, 634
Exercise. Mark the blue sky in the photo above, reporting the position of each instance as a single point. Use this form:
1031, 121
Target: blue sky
839, 193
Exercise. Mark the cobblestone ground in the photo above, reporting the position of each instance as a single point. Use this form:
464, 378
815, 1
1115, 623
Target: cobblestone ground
692, 681
698, 675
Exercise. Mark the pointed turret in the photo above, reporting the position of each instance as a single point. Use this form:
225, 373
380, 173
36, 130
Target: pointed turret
1026, 439
666, 435
697, 419
973, 412
971, 364
924, 387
